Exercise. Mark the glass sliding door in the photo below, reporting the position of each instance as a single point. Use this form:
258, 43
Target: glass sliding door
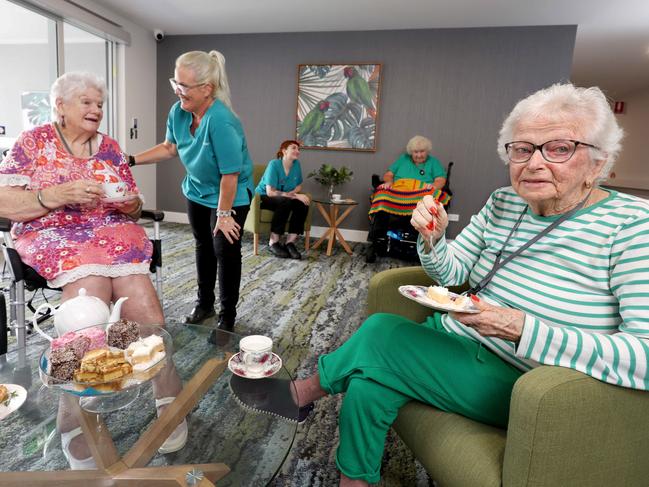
83, 51
36, 48
28, 66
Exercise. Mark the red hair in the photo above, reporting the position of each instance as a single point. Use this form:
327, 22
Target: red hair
284, 145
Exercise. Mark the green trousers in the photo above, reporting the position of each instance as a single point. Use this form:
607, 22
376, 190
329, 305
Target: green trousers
390, 361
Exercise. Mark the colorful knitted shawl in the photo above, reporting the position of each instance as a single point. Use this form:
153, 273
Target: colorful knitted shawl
403, 197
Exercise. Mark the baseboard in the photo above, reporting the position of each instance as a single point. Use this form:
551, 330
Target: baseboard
350, 235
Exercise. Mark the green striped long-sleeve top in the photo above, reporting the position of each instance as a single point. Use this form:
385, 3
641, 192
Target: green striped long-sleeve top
584, 287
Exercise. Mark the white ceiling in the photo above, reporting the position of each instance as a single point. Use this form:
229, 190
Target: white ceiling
611, 51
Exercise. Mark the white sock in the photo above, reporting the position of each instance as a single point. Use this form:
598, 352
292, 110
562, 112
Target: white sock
291, 238
274, 238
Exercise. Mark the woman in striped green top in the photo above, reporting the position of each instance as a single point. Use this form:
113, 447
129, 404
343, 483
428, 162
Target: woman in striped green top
576, 297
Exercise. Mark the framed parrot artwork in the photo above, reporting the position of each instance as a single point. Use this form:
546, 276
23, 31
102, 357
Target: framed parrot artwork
338, 106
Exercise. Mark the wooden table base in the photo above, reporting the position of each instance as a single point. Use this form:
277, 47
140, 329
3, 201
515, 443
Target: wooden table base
130, 470
333, 219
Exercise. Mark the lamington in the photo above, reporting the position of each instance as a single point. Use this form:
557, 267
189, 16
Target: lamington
64, 362
122, 333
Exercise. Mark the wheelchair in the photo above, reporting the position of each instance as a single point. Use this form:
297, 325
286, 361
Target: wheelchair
393, 235
22, 277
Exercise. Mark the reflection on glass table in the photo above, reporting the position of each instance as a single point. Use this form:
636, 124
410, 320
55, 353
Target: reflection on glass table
248, 447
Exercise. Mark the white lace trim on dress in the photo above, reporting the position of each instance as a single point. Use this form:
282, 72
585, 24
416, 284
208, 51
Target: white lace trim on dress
111, 271
14, 180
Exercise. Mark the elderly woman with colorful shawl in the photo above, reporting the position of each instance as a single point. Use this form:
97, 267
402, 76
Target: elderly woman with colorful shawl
412, 176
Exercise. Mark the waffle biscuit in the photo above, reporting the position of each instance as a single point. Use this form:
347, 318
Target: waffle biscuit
103, 365
4, 394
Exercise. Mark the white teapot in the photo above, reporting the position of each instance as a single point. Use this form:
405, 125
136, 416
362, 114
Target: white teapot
79, 312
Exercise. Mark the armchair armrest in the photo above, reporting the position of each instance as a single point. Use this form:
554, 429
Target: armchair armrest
155, 215
252, 223
566, 428
384, 297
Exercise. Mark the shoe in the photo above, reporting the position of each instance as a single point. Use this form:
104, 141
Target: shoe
370, 257
269, 396
75, 464
292, 251
178, 438
278, 250
227, 325
199, 314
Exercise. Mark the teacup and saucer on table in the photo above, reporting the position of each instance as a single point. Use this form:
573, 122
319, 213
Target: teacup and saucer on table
256, 359
337, 198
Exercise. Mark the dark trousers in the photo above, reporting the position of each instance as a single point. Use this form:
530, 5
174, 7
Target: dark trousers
285, 210
215, 255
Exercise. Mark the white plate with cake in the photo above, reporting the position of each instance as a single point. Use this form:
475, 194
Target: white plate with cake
12, 396
439, 298
105, 359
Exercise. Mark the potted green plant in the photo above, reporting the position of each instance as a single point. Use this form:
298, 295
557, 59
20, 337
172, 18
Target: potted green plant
330, 177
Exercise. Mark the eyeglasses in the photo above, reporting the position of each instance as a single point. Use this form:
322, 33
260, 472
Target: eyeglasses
560, 150
181, 87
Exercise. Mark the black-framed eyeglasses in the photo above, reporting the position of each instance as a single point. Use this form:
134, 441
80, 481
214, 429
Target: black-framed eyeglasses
557, 151
181, 87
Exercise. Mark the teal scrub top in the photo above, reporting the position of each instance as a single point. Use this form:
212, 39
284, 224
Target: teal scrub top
404, 168
275, 177
217, 147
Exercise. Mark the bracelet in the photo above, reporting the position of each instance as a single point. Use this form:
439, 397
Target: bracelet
131, 160
39, 197
225, 213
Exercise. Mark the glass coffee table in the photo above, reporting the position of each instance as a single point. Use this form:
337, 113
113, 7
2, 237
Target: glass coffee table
228, 444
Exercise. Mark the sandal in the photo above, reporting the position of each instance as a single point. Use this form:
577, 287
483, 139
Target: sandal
269, 396
178, 438
75, 463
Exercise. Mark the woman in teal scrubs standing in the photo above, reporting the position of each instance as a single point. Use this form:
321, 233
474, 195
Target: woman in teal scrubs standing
208, 136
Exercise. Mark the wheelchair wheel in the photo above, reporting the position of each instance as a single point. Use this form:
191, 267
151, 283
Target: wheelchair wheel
3, 324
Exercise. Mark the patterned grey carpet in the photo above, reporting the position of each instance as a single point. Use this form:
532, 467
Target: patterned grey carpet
308, 307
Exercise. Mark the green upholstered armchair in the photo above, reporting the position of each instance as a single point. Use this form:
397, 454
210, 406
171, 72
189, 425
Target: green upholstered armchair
565, 429
258, 220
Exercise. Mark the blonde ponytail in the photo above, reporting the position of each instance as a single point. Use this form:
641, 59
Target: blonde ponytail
208, 68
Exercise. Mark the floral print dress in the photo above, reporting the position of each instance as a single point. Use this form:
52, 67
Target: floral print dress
74, 241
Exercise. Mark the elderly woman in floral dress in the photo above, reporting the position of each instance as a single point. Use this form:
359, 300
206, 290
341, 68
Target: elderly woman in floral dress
71, 234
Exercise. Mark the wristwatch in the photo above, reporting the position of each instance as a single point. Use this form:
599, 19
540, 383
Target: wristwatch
131, 161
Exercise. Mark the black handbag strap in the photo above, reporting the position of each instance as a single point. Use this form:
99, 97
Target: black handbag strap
497, 264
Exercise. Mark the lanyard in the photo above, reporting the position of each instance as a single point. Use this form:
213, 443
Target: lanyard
497, 264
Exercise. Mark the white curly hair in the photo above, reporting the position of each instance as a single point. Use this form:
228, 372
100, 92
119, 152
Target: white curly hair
584, 107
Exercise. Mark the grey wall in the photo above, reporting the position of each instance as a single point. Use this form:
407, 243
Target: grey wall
452, 85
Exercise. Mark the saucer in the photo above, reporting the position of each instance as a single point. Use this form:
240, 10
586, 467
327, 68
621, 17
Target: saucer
119, 199
237, 367
15, 402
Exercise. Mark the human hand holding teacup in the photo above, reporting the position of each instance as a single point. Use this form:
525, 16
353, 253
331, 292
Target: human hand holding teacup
256, 351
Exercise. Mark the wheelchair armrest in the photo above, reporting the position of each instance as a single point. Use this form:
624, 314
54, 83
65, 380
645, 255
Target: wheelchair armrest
155, 215
5, 224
